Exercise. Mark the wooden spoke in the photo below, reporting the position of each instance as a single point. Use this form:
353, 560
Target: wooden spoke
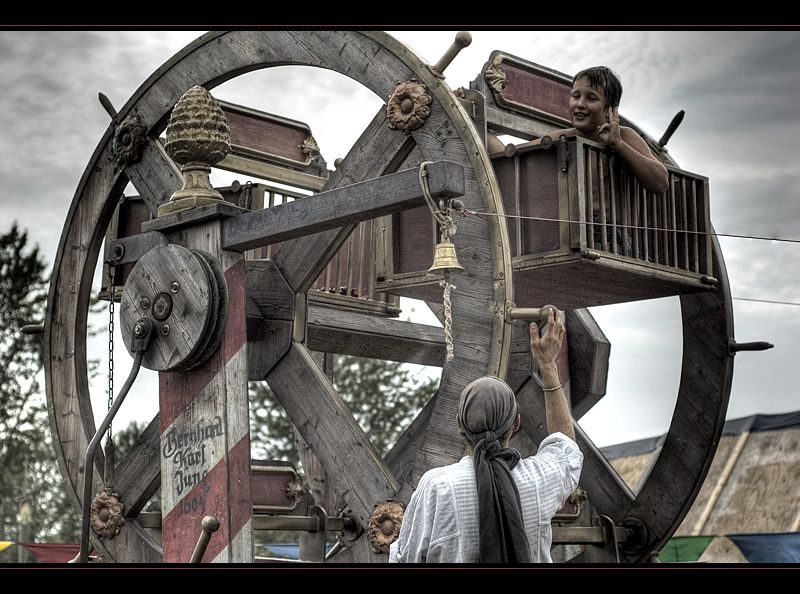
401, 456
378, 151
327, 426
364, 335
138, 475
155, 176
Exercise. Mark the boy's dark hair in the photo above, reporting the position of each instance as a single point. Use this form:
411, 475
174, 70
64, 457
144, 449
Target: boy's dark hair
603, 78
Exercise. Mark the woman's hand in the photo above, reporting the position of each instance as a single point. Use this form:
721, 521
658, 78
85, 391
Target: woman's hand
546, 348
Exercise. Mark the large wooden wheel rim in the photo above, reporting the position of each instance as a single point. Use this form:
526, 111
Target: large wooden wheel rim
373, 59
479, 302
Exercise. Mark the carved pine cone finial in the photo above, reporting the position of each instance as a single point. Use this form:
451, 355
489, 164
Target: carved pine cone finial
198, 131
107, 514
408, 106
198, 136
384, 525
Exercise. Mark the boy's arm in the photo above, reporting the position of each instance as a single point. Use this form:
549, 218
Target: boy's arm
650, 172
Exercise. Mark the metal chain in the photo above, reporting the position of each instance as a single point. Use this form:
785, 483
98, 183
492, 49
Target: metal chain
246, 197
111, 343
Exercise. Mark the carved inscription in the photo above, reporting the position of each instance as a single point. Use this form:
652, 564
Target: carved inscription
187, 452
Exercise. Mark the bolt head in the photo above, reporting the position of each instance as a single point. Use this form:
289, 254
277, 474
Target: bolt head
162, 306
144, 302
175, 286
165, 330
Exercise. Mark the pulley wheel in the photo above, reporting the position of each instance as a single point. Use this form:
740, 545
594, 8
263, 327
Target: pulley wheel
181, 293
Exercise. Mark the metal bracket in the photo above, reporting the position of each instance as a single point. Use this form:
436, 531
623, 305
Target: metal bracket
131, 249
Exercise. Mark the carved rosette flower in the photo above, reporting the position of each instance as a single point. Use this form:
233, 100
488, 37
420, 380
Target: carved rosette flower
107, 514
198, 131
129, 140
309, 147
496, 76
295, 491
384, 525
408, 106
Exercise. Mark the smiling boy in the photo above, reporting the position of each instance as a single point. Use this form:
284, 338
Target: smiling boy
593, 109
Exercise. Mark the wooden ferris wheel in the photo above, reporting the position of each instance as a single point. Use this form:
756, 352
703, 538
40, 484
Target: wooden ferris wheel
215, 318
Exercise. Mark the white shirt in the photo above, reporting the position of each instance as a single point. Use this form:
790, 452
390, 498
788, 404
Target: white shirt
440, 524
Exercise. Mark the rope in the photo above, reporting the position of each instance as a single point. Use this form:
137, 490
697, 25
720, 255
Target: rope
448, 229
448, 317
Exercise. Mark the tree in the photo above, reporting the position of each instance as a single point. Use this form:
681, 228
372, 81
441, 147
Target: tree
383, 396
27, 458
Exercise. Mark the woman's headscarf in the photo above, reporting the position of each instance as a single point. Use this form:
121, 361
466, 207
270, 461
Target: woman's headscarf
486, 412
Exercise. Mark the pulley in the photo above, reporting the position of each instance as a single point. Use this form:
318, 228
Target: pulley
183, 292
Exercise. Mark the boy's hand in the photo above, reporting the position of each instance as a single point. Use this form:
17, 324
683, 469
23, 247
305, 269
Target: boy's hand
610, 132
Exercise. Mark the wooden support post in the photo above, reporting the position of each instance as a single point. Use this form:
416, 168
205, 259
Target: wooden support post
204, 418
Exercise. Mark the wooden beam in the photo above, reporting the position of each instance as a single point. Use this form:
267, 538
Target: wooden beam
378, 151
268, 295
341, 206
363, 335
270, 172
138, 475
353, 465
155, 176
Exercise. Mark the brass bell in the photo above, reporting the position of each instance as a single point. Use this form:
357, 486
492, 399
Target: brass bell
445, 259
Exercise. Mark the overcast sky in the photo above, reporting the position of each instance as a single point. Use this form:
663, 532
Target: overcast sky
742, 129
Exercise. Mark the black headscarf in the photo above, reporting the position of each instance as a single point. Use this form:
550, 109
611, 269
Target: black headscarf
486, 411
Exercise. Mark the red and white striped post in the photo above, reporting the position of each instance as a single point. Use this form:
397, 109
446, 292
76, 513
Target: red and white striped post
205, 435
205, 432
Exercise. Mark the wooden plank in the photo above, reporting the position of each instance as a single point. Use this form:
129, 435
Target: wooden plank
532, 89
589, 351
267, 136
500, 121
363, 335
378, 151
356, 470
340, 206
138, 475
270, 172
